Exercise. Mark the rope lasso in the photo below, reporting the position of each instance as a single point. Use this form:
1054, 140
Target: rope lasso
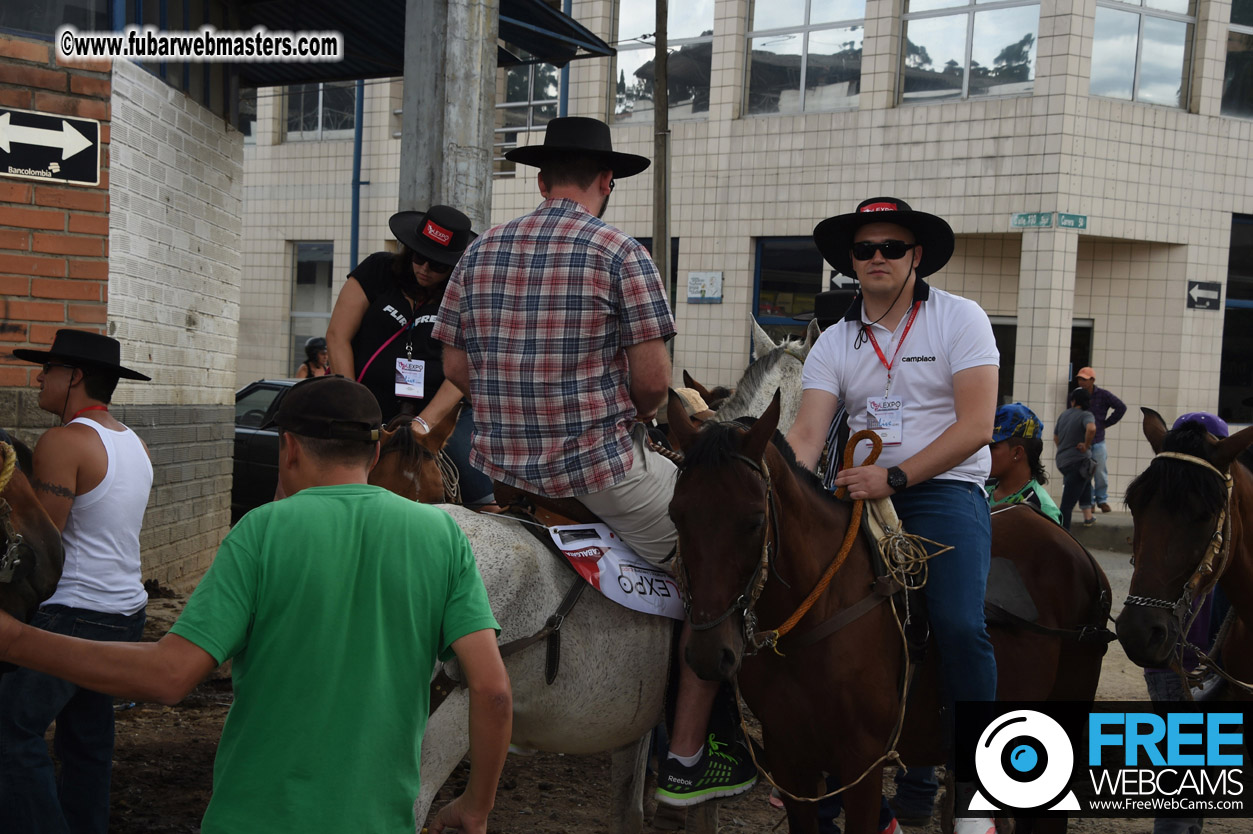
10, 463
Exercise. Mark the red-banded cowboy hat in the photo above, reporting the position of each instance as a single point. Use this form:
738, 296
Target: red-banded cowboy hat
834, 235
579, 136
439, 234
82, 349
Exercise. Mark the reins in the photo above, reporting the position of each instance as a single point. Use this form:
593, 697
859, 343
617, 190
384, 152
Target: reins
1210, 569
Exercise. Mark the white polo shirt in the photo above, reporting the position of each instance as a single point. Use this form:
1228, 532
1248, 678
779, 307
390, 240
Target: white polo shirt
948, 335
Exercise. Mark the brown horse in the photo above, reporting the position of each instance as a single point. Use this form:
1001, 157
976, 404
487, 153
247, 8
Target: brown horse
1193, 512
756, 532
31, 556
408, 463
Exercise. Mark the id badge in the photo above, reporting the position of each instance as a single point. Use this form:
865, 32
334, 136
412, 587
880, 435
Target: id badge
410, 375
884, 418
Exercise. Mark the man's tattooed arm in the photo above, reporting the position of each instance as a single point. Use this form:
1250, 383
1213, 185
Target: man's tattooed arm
53, 489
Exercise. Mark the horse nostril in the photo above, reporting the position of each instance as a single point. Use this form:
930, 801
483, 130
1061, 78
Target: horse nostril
727, 664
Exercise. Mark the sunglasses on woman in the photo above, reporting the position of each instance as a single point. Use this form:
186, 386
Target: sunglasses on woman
419, 259
893, 250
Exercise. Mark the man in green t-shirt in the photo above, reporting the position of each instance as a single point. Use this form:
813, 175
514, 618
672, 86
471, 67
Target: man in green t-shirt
334, 604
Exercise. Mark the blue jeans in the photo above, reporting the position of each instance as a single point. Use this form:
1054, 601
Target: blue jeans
34, 798
1076, 489
476, 488
1164, 685
956, 513
1100, 478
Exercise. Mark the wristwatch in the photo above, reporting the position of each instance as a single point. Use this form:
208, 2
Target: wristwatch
897, 479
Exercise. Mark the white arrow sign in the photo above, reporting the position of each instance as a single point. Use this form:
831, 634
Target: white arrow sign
1197, 293
68, 139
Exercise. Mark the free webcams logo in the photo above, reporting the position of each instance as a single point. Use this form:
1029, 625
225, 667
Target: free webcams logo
1024, 760
1105, 759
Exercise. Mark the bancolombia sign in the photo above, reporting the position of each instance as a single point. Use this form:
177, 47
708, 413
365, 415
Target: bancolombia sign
1107, 759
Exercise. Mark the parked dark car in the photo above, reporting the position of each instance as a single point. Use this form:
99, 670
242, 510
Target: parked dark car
256, 449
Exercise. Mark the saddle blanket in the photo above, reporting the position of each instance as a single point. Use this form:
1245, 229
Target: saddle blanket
610, 566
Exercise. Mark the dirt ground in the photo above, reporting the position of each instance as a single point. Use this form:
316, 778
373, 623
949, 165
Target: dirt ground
164, 766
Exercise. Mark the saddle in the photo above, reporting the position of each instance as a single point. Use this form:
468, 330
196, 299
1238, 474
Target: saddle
549, 511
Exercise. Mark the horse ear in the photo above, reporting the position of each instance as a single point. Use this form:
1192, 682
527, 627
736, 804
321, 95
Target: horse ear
688, 382
681, 430
762, 343
762, 432
812, 332
434, 439
1154, 428
1229, 447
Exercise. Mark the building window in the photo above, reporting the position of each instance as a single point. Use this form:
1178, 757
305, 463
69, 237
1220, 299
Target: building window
310, 296
1005, 331
247, 121
526, 100
1238, 75
790, 272
1235, 377
1143, 52
689, 37
42, 18
324, 110
804, 55
965, 49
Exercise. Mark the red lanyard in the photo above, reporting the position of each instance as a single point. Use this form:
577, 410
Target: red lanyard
88, 408
913, 313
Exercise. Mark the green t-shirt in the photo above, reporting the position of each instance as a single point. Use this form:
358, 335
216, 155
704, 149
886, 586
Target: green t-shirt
1032, 493
334, 604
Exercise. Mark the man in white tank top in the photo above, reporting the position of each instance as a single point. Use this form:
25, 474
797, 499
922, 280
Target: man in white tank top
93, 475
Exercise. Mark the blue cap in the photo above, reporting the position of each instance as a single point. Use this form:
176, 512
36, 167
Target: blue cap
1016, 420
1213, 424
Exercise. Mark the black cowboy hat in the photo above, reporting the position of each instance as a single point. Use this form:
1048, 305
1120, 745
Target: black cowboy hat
579, 136
834, 235
82, 349
440, 234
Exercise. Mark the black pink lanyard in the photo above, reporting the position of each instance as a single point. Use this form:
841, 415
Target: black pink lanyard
913, 313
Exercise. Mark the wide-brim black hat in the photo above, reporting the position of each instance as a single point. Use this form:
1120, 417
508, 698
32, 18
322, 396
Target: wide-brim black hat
834, 235
440, 234
579, 136
82, 349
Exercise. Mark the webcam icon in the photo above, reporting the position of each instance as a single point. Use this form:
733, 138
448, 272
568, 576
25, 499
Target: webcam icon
1024, 761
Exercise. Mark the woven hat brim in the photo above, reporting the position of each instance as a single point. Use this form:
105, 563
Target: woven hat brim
623, 165
39, 357
834, 237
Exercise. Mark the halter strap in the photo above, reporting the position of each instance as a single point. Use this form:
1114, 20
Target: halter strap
1199, 462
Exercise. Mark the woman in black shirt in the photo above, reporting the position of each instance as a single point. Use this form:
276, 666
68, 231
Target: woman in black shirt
380, 330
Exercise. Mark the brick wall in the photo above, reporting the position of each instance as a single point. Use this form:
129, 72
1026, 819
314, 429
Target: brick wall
54, 239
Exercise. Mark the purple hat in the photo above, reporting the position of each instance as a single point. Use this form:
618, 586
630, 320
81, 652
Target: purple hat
1214, 425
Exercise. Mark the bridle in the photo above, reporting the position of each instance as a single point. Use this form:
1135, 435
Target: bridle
1212, 564
1206, 575
11, 559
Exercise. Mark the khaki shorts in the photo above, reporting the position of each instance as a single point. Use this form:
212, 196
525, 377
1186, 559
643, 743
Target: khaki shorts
637, 508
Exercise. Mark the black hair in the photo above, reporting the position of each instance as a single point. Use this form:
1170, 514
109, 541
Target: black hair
1081, 398
99, 385
336, 451
576, 170
1034, 447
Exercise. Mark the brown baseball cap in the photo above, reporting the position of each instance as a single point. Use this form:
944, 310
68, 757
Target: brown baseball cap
331, 407
1086, 373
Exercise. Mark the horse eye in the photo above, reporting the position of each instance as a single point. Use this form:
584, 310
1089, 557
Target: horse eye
753, 523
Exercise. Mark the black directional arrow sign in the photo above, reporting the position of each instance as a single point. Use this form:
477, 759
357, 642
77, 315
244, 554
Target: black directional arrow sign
42, 146
1203, 295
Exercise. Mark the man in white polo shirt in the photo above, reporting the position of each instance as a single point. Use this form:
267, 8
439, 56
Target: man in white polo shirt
918, 366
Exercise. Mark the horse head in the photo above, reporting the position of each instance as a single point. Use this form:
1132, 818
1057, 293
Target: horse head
1181, 506
31, 555
713, 397
408, 462
721, 509
778, 367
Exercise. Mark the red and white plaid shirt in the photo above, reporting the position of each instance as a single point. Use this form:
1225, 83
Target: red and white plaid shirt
544, 307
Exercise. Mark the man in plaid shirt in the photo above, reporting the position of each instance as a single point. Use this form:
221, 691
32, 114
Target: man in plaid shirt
554, 324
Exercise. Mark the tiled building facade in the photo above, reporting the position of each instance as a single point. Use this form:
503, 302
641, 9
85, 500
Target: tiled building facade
1134, 118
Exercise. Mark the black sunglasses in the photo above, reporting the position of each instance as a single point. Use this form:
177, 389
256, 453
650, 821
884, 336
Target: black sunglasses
892, 249
418, 259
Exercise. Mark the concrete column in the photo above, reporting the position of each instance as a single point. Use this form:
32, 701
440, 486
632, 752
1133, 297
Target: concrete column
1046, 300
422, 122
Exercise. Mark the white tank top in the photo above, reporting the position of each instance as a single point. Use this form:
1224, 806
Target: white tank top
102, 568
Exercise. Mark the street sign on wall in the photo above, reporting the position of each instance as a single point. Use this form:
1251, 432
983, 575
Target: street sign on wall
1072, 221
1032, 220
1204, 295
47, 147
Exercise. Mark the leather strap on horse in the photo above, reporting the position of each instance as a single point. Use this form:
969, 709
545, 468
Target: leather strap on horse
443, 684
884, 588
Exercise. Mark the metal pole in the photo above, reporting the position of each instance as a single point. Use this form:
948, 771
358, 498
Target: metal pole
661, 150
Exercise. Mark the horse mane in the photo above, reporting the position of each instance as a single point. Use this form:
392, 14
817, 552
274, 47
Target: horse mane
756, 375
403, 442
1193, 491
715, 446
